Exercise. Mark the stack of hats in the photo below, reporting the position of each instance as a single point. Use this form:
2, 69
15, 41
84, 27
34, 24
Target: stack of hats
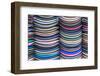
30, 37
85, 37
46, 37
70, 37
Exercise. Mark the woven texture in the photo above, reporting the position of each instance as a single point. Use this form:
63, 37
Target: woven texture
57, 37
